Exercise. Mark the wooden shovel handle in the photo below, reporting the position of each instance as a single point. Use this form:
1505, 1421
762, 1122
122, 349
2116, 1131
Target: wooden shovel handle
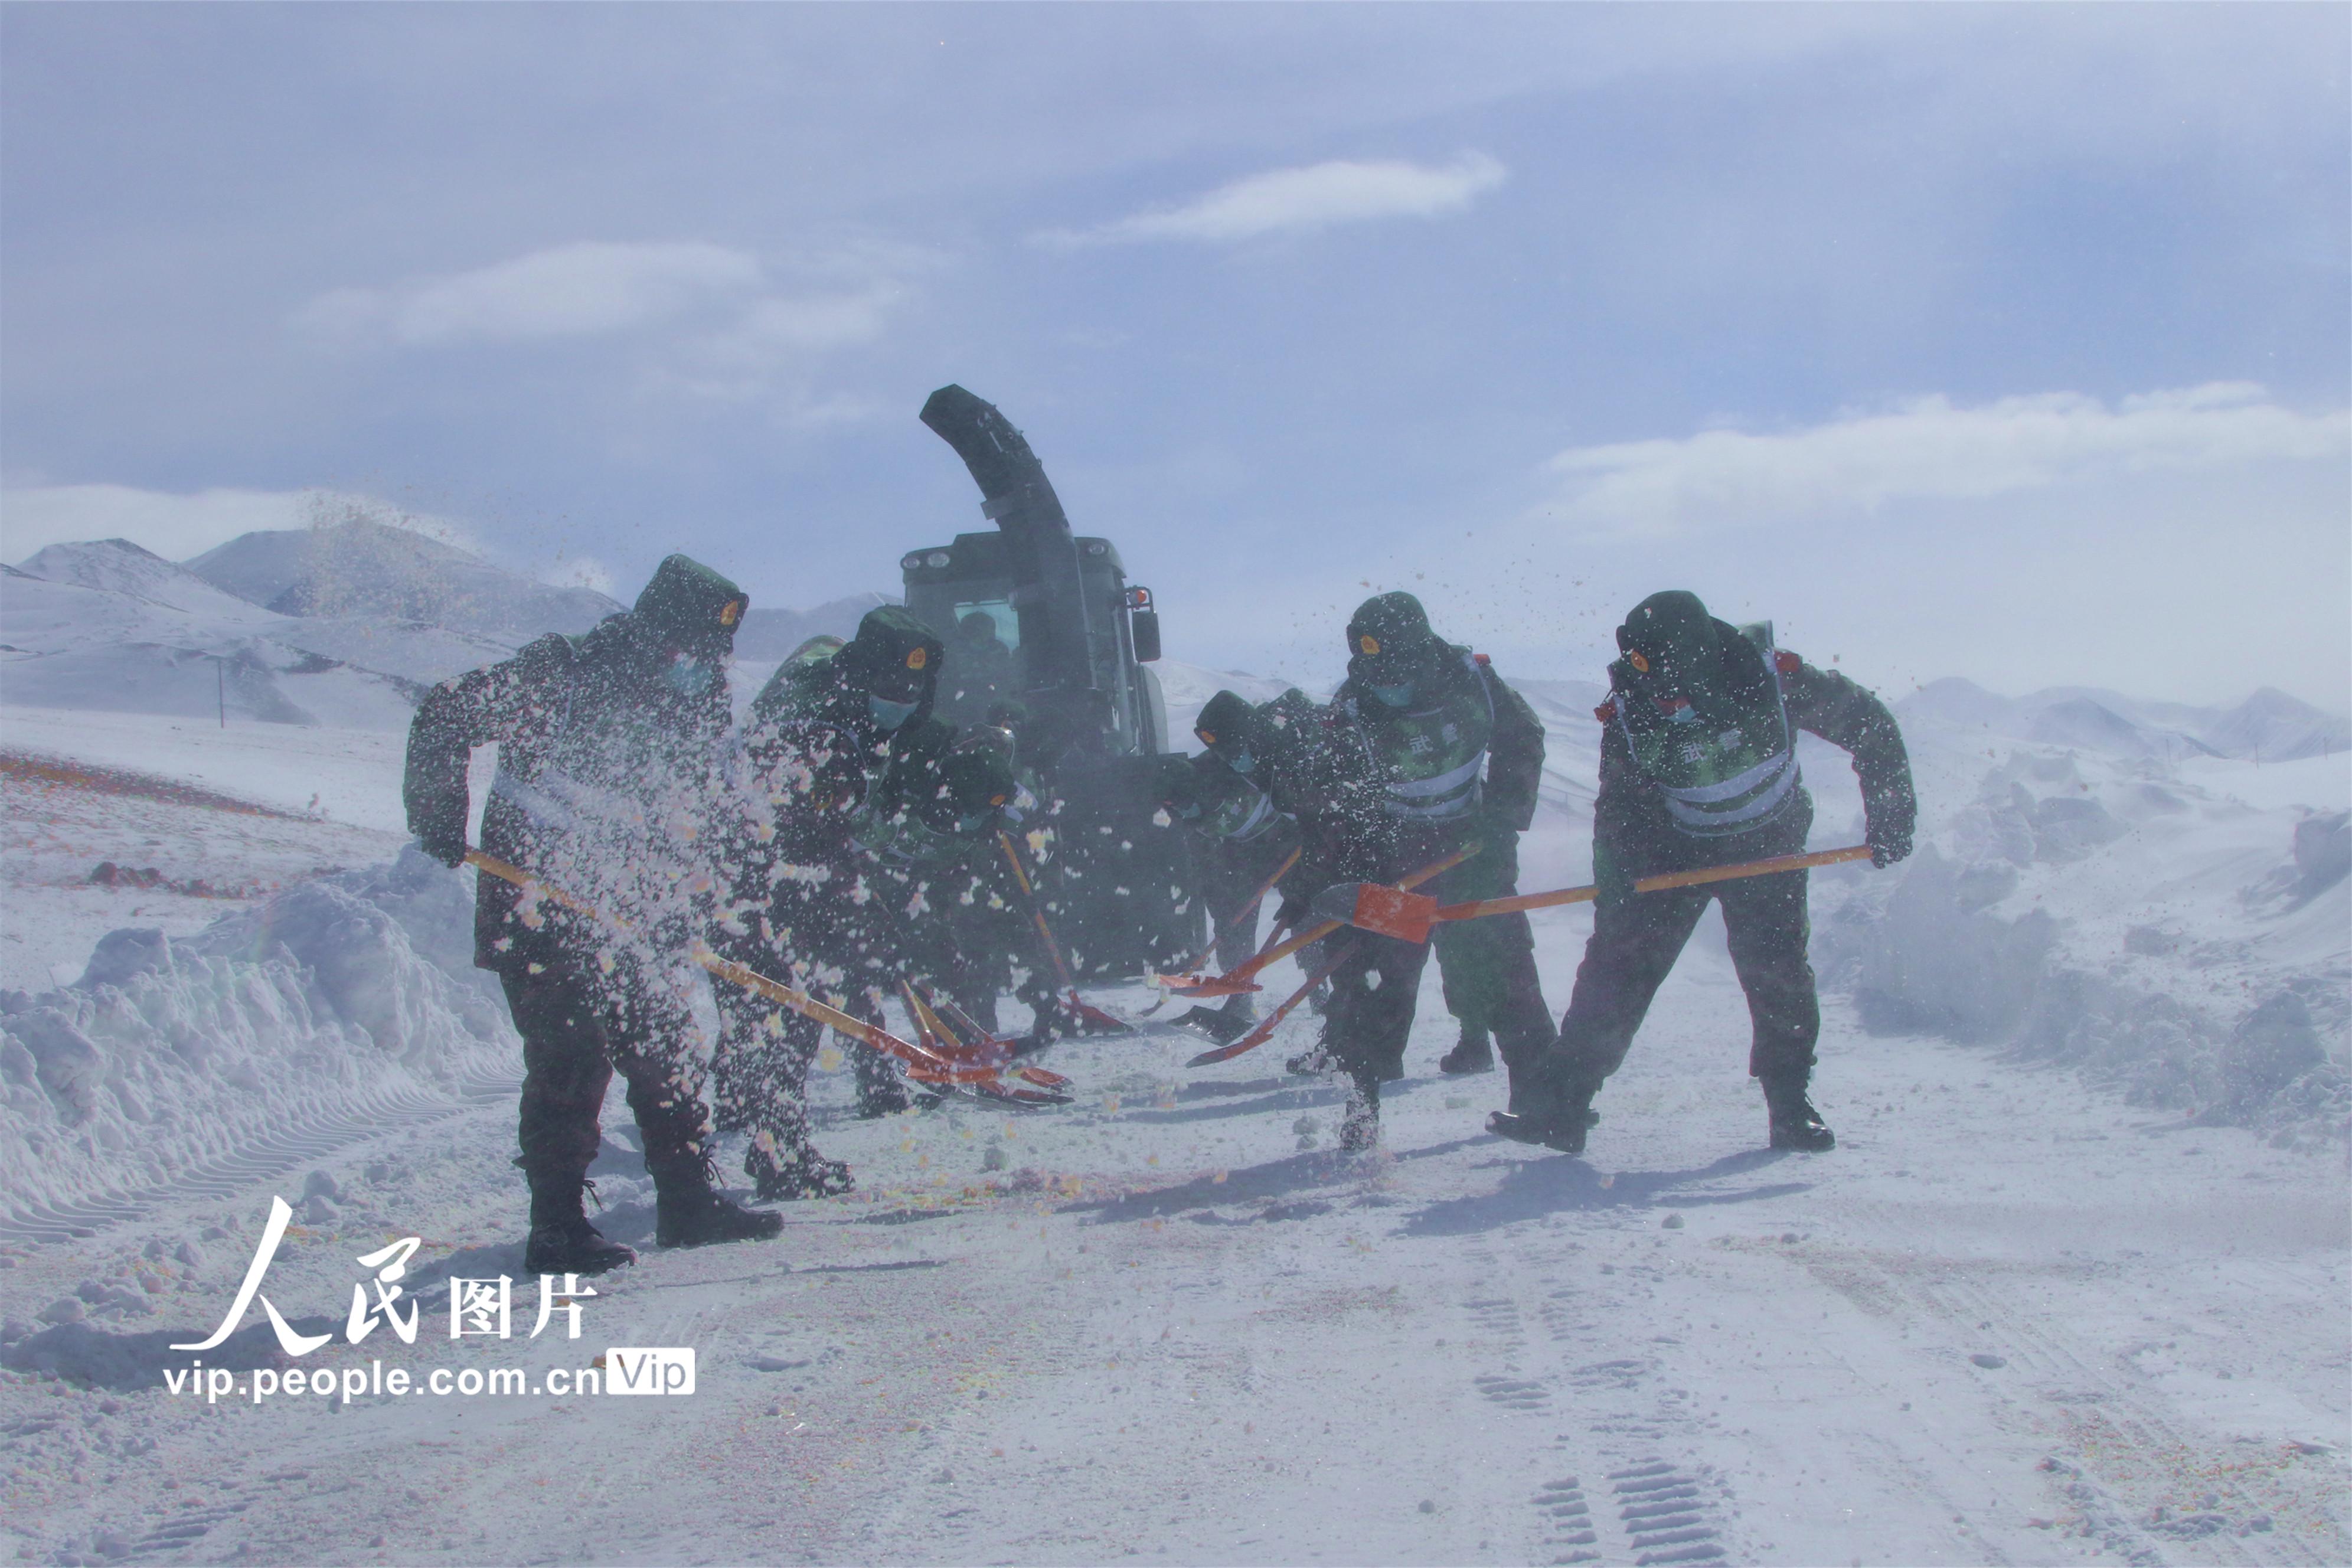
924, 1062
1239, 915
1265, 1031
1316, 933
1704, 874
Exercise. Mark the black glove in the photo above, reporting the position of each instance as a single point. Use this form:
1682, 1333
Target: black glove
1614, 882
441, 835
1886, 828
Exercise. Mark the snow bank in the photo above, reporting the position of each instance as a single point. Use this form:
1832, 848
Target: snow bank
348, 991
2142, 921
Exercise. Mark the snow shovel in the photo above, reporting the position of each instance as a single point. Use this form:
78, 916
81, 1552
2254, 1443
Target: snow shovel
1220, 1025
1192, 964
935, 1036
979, 1044
1265, 1031
1408, 916
1244, 978
922, 1066
1215, 1022
1089, 1018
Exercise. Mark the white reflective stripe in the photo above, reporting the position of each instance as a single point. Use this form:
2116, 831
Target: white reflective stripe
1445, 782
1763, 804
1452, 806
535, 803
1260, 819
1737, 785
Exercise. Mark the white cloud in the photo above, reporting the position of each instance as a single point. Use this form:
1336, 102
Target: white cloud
1929, 448
175, 527
592, 289
1316, 197
698, 319
819, 321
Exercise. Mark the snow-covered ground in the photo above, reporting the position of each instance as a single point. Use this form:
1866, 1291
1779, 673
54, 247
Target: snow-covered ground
2005, 1322
82, 791
2072, 1288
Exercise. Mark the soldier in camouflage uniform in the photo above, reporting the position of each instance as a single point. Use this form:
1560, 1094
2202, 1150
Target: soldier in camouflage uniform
930, 834
1457, 756
1271, 739
819, 741
1698, 768
1243, 796
606, 745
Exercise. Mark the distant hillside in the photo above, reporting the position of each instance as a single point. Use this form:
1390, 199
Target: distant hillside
117, 565
361, 567
2270, 726
771, 633
343, 624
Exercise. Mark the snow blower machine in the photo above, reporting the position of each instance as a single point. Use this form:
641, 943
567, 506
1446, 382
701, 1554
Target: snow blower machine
1046, 636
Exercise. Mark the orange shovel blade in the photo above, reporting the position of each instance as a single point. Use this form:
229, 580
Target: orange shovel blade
1214, 986
1391, 912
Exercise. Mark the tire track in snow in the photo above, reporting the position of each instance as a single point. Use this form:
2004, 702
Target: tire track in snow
1654, 1510
1667, 1513
2128, 1461
252, 1161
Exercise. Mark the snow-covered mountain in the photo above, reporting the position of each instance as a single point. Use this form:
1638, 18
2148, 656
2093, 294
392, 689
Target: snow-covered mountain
361, 567
771, 635
119, 566
345, 624
109, 626
2269, 726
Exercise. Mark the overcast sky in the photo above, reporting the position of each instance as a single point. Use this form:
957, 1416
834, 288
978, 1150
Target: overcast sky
2005, 341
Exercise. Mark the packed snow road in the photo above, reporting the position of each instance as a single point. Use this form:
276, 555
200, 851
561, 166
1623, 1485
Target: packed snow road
2007, 1320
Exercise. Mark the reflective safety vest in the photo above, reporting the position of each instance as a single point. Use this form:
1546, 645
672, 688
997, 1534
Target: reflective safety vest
1717, 781
1242, 812
1432, 759
895, 833
903, 836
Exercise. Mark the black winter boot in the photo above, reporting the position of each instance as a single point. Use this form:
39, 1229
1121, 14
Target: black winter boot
690, 1211
1795, 1123
1475, 1052
796, 1174
1549, 1108
1359, 1123
562, 1241
882, 1093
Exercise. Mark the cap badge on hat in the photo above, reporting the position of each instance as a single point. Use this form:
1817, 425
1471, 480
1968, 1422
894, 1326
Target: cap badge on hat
918, 658
731, 612
1369, 643
1641, 666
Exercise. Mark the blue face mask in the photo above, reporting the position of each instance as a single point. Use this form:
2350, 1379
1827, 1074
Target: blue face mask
689, 676
1394, 696
889, 715
1241, 762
